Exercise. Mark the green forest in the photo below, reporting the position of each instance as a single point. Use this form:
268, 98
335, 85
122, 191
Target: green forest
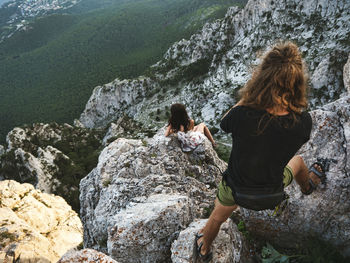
48, 72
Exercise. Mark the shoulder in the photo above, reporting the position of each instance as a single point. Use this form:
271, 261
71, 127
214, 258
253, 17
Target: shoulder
237, 110
306, 117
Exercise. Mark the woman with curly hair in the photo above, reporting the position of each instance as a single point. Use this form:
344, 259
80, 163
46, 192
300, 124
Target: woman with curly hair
269, 124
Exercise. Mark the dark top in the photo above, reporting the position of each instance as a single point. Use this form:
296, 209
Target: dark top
262, 146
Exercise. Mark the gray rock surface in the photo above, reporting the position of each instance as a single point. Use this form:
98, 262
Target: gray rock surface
125, 127
32, 154
229, 246
2, 150
205, 71
85, 256
326, 213
35, 226
346, 75
106, 100
129, 172
147, 229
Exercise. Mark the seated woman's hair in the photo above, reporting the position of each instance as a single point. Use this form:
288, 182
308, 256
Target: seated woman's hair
179, 117
279, 80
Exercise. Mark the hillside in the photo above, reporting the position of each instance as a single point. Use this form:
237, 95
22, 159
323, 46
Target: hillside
205, 71
49, 69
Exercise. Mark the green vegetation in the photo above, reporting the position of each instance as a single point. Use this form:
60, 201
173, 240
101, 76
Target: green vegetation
243, 229
48, 71
223, 151
6, 238
13, 168
314, 251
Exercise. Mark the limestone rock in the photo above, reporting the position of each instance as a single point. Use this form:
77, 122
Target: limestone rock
324, 213
229, 245
125, 127
78, 124
110, 97
86, 256
51, 157
36, 226
130, 171
18, 136
2, 150
35, 163
113, 131
346, 75
144, 231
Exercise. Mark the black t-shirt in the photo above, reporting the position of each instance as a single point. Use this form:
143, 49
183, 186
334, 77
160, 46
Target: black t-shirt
263, 144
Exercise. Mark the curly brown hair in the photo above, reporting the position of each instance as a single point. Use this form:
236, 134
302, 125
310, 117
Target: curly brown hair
279, 81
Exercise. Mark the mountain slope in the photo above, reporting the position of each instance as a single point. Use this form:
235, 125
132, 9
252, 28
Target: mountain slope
205, 71
48, 71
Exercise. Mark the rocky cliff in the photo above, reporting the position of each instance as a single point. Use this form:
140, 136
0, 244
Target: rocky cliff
143, 192
54, 157
34, 226
51, 157
85, 256
205, 71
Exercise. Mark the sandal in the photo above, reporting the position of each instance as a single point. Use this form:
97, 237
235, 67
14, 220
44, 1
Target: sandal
320, 174
197, 251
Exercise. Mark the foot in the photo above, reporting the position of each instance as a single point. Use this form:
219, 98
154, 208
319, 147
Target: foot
214, 144
314, 180
200, 251
203, 251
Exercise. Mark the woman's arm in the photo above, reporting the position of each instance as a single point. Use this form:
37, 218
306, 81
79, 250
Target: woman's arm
191, 126
168, 130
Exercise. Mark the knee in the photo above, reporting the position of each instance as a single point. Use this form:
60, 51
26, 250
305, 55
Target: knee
297, 164
298, 158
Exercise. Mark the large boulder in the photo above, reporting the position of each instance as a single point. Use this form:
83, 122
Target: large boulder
35, 226
229, 246
325, 213
151, 183
144, 232
85, 256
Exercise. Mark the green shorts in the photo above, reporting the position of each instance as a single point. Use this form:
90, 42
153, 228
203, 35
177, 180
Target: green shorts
224, 193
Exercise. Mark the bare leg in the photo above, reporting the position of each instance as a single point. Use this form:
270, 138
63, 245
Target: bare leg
301, 173
212, 227
204, 129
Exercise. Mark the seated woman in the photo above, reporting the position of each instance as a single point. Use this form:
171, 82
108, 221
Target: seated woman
189, 135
